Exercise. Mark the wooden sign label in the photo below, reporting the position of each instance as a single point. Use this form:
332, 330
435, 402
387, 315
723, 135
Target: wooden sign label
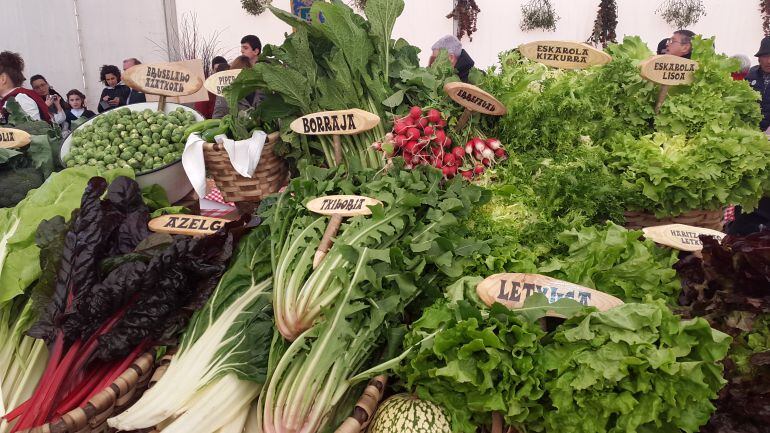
669, 70
192, 225
341, 122
342, 205
166, 79
564, 54
13, 138
679, 236
512, 290
216, 83
474, 99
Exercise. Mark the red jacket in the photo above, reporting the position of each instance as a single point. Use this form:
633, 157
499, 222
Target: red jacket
44, 114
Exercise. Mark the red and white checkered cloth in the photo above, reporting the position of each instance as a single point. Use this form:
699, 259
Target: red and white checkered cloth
216, 195
729, 214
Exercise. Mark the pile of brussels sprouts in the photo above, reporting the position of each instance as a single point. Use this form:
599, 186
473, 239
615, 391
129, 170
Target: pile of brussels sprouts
143, 140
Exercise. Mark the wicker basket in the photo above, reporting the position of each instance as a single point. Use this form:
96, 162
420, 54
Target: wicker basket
709, 219
271, 174
92, 418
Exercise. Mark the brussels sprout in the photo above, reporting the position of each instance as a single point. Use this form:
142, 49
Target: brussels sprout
125, 155
157, 165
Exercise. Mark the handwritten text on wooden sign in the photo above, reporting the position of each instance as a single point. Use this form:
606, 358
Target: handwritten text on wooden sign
167, 79
192, 225
669, 70
342, 122
216, 83
564, 54
342, 205
474, 99
679, 236
512, 290
13, 138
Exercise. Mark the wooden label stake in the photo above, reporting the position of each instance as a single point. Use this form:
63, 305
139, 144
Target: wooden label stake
512, 290
668, 70
564, 54
336, 123
190, 225
162, 79
338, 207
217, 83
13, 138
474, 100
680, 236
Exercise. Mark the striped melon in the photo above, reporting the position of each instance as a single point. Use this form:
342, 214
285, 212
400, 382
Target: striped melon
404, 413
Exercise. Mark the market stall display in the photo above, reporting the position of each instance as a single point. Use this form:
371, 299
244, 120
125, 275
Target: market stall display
460, 273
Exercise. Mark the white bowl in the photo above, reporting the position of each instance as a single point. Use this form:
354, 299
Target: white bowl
171, 177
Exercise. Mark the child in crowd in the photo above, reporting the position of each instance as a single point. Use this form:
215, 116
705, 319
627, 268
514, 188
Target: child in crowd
77, 101
115, 93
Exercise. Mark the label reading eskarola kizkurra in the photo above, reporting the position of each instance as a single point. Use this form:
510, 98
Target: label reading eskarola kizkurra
564, 54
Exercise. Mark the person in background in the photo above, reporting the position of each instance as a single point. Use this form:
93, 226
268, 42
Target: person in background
460, 59
11, 79
759, 79
134, 96
206, 108
680, 44
220, 105
77, 103
251, 47
56, 104
745, 66
662, 47
114, 94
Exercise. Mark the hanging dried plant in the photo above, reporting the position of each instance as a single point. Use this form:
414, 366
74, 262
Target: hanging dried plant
538, 14
605, 24
680, 14
358, 4
255, 7
764, 8
466, 13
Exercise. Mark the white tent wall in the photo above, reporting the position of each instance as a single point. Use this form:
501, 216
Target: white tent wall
45, 33
736, 23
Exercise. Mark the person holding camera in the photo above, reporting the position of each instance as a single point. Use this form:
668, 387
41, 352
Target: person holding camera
114, 94
57, 106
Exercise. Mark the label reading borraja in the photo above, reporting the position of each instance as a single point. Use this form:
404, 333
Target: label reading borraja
474, 99
167, 79
342, 205
564, 54
341, 122
186, 224
512, 290
669, 70
681, 237
13, 138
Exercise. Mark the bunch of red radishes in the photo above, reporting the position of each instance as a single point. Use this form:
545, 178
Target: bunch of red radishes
420, 139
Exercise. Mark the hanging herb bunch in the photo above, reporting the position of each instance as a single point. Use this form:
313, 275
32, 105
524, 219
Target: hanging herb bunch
681, 13
255, 7
605, 24
764, 8
538, 14
466, 13
358, 4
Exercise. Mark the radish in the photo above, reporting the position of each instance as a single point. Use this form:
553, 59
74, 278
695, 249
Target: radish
410, 146
458, 152
428, 131
500, 153
422, 122
400, 140
449, 160
478, 169
400, 127
447, 142
477, 155
469, 147
441, 123
434, 116
415, 112
408, 121
486, 162
412, 133
440, 136
468, 174
438, 163
377, 145
488, 154
478, 144
494, 143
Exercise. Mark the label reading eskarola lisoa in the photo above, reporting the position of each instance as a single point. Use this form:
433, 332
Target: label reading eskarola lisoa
669, 70
13, 138
341, 122
564, 54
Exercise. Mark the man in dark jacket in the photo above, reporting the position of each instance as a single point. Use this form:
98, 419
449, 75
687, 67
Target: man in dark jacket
134, 96
462, 62
759, 78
